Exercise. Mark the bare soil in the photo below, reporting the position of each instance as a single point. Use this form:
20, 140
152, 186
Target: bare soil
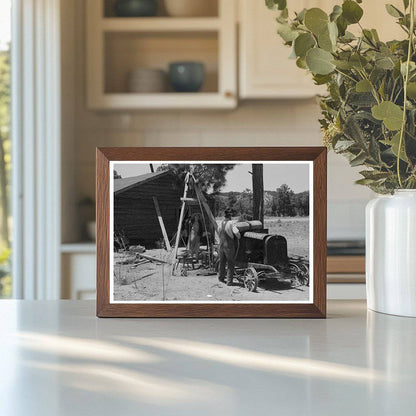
153, 281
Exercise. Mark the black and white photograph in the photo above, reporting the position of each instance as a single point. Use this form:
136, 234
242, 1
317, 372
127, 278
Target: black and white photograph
211, 232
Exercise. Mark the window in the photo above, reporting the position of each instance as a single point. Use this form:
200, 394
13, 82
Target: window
5, 145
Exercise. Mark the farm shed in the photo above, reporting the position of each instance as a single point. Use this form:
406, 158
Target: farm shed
134, 209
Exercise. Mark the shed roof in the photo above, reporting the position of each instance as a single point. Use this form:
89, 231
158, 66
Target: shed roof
121, 185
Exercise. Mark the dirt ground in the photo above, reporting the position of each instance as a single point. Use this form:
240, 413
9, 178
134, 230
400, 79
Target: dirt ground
153, 281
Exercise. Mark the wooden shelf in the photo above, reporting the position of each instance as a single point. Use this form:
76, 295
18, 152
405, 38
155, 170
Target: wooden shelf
128, 101
159, 24
116, 46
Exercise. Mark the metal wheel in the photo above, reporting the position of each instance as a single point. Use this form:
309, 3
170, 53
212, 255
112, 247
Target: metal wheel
305, 273
251, 279
300, 274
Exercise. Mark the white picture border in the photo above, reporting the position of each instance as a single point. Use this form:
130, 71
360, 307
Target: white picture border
147, 162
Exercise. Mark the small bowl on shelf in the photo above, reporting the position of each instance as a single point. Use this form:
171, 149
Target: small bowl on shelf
135, 8
191, 8
186, 76
147, 80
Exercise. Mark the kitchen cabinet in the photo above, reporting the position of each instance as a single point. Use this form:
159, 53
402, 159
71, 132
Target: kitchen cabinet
265, 70
116, 46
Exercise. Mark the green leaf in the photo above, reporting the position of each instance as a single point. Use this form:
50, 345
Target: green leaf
412, 67
319, 61
375, 35
385, 63
343, 145
394, 145
324, 42
374, 150
303, 43
406, 4
343, 65
364, 181
351, 11
336, 12
347, 37
321, 79
374, 175
316, 20
301, 63
411, 90
286, 32
358, 61
300, 17
342, 25
393, 11
363, 86
391, 114
276, 4
358, 160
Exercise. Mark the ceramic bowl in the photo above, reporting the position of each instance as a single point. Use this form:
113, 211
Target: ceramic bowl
135, 8
186, 76
147, 80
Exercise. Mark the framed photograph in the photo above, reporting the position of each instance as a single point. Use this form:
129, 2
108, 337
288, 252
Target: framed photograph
211, 232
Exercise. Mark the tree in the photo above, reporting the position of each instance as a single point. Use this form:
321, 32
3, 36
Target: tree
284, 203
301, 203
116, 175
244, 203
210, 177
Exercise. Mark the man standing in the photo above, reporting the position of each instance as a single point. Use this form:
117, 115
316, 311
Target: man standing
228, 233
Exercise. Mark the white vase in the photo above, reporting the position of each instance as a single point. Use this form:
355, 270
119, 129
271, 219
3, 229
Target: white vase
391, 253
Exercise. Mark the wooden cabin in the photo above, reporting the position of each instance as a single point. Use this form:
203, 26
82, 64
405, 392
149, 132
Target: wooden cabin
134, 209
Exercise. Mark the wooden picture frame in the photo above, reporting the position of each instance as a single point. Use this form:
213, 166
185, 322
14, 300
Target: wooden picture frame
315, 308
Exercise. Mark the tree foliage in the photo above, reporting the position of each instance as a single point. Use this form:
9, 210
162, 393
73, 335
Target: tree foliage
210, 177
282, 202
369, 113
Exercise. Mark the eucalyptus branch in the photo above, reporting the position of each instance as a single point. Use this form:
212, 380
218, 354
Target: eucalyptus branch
346, 75
405, 81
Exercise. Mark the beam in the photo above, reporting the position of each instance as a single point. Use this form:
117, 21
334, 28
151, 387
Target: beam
162, 224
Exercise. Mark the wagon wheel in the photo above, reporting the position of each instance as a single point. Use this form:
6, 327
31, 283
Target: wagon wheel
251, 279
305, 273
295, 274
300, 273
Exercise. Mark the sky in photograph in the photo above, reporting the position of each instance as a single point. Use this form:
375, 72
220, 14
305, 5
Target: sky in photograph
238, 179
5, 21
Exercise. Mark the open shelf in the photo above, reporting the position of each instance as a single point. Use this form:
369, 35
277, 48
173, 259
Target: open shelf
116, 46
160, 24
127, 51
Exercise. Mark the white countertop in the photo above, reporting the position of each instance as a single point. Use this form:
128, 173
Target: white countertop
58, 359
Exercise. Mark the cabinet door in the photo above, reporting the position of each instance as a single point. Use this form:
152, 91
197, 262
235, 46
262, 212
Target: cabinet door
265, 68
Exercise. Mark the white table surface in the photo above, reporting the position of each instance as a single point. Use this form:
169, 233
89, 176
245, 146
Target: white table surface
57, 359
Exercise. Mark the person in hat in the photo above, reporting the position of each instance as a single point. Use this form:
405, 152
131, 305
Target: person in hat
228, 234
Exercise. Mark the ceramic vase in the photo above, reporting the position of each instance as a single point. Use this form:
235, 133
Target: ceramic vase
391, 253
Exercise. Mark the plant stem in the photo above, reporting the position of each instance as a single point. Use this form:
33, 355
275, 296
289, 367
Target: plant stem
345, 75
406, 80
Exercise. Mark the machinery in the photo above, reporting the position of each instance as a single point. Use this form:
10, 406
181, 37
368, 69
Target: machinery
262, 256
